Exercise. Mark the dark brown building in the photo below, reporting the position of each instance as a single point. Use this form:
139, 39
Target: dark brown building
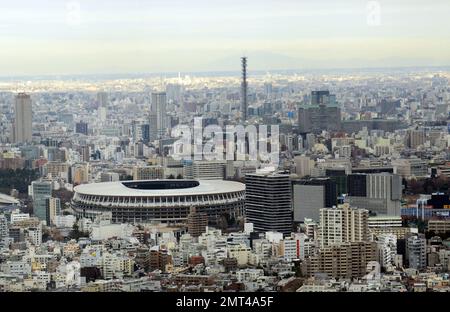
159, 258
195, 260
347, 260
197, 222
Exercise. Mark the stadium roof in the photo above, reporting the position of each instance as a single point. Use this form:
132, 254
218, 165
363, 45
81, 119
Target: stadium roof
8, 200
169, 187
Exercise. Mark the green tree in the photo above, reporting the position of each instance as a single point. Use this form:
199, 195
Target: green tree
17, 179
76, 233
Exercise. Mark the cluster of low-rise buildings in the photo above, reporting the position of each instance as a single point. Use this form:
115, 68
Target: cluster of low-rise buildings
339, 253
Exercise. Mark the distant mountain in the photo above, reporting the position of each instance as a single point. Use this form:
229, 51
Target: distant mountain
266, 61
260, 61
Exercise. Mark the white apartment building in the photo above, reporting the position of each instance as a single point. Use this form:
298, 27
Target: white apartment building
385, 221
34, 235
90, 257
343, 224
289, 249
16, 216
387, 249
241, 252
249, 275
18, 268
416, 251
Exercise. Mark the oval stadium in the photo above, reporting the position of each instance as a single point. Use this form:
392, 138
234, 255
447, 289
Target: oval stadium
164, 201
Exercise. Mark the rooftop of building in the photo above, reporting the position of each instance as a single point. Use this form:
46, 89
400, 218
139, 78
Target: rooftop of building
8, 200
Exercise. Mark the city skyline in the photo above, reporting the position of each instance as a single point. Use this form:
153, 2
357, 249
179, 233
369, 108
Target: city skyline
225, 148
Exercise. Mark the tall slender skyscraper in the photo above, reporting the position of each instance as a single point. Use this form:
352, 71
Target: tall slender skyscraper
244, 89
153, 126
159, 102
102, 101
23, 119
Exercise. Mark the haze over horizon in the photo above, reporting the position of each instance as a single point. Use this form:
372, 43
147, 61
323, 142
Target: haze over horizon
106, 37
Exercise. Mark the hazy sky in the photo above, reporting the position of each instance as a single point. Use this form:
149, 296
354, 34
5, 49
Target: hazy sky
54, 37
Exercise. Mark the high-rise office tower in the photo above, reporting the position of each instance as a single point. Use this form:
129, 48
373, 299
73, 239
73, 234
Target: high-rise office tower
300, 144
23, 119
310, 140
53, 209
145, 131
339, 177
380, 192
268, 89
321, 97
85, 153
384, 185
321, 113
41, 192
342, 225
268, 202
159, 102
174, 92
153, 127
310, 195
41, 189
81, 127
102, 100
244, 89
102, 113
137, 131
356, 185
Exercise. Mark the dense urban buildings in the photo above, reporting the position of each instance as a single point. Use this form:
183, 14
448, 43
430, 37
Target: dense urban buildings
96, 198
99, 201
225, 147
